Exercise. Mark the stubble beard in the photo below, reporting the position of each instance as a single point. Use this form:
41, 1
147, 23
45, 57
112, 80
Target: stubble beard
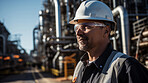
83, 42
83, 46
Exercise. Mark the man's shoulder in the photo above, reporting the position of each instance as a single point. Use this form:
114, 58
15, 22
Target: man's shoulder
131, 65
119, 59
133, 62
119, 56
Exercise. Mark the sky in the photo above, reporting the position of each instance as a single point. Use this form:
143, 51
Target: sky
20, 17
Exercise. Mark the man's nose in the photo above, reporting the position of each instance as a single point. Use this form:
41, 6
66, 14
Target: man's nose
79, 32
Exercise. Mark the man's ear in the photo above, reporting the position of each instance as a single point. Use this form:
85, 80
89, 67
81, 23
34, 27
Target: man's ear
107, 31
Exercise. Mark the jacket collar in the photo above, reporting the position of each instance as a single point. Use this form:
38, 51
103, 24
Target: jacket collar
100, 61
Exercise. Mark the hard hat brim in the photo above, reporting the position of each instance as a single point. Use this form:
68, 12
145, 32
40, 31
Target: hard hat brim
76, 20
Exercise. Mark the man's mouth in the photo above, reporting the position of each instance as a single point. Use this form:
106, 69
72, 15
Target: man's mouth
82, 40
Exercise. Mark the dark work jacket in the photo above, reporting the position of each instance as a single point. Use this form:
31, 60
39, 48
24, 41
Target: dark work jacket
128, 71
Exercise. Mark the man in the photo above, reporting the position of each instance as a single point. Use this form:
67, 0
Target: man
101, 64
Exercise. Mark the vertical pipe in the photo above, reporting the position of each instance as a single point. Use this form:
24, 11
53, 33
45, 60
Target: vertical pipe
41, 20
114, 3
58, 18
4, 44
54, 59
124, 28
67, 10
114, 42
58, 27
34, 46
74, 8
136, 10
124, 3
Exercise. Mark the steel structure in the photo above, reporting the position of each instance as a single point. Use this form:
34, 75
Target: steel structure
12, 55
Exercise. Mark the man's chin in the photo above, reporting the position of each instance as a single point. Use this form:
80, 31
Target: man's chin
83, 48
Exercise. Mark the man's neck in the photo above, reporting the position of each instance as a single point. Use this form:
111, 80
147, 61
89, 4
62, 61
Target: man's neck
94, 53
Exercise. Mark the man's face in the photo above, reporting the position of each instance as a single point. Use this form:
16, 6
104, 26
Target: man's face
89, 35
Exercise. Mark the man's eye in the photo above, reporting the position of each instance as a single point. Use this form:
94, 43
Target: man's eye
83, 27
87, 27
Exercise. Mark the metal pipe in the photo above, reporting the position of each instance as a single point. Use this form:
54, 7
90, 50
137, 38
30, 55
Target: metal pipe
74, 7
58, 27
61, 42
137, 14
58, 18
41, 20
66, 37
114, 3
67, 10
53, 49
54, 59
69, 50
124, 28
138, 41
142, 44
67, 46
136, 9
114, 42
34, 47
144, 34
124, 3
4, 44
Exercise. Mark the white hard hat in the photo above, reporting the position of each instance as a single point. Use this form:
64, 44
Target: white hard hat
93, 10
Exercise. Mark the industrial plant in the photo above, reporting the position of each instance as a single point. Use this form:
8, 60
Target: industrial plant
55, 47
